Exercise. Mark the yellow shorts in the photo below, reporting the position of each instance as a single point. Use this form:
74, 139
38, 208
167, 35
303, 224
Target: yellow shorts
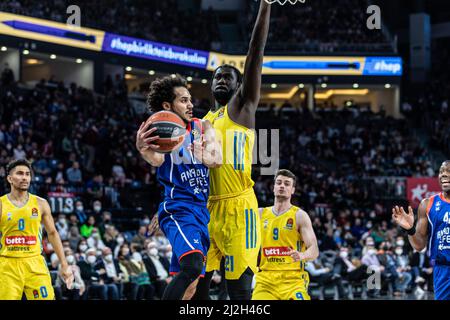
235, 234
281, 285
29, 275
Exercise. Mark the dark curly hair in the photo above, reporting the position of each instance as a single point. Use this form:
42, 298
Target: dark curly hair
162, 90
19, 162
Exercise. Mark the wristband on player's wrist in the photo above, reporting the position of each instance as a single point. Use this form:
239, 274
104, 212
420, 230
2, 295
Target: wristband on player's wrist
411, 231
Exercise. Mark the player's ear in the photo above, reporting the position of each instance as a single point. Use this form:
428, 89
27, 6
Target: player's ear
293, 190
167, 106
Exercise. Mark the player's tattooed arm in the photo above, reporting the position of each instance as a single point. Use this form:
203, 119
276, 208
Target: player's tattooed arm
406, 220
55, 240
304, 226
147, 150
209, 149
249, 92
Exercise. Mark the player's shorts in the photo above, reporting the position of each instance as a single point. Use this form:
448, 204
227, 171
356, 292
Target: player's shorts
441, 280
281, 285
235, 232
25, 275
185, 224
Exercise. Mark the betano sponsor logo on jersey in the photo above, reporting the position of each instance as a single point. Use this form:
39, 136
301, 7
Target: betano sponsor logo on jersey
20, 240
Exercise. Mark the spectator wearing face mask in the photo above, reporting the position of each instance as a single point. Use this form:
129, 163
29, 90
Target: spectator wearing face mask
78, 287
105, 221
120, 240
97, 207
422, 272
79, 211
140, 237
128, 270
325, 276
109, 270
62, 226
351, 270
95, 241
94, 284
74, 237
87, 228
159, 275
146, 289
403, 270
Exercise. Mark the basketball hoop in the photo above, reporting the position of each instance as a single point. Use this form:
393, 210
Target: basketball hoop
283, 2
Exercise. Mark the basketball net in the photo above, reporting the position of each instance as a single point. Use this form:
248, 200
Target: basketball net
283, 2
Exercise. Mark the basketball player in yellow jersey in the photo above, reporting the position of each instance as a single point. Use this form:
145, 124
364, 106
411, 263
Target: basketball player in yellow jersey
288, 241
234, 223
22, 267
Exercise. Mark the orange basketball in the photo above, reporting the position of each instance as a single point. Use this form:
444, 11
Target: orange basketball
171, 130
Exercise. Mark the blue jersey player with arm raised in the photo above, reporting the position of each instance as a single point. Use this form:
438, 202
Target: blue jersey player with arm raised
432, 230
184, 174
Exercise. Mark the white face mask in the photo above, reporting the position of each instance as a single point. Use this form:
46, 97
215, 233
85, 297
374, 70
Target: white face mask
400, 242
70, 259
83, 247
153, 252
62, 221
80, 208
91, 259
137, 257
146, 221
371, 252
398, 251
169, 255
120, 241
343, 254
109, 258
97, 208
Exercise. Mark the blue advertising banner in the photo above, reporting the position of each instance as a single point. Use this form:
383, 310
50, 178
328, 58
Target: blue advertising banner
145, 49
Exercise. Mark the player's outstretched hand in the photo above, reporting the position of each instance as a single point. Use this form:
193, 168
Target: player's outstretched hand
144, 139
402, 218
154, 225
297, 256
67, 274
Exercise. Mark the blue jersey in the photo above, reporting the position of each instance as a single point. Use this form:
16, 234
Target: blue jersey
182, 176
439, 229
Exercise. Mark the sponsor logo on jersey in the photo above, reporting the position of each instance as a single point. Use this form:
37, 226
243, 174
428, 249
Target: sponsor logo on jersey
20, 241
438, 205
34, 213
289, 224
36, 294
221, 112
266, 223
276, 251
196, 134
9, 214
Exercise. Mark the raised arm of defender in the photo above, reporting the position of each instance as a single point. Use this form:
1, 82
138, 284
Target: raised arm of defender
406, 220
248, 96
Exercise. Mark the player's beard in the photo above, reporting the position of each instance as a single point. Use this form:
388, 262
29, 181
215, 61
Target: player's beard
223, 97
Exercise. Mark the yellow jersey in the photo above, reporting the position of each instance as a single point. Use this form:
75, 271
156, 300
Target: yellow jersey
279, 233
235, 174
20, 229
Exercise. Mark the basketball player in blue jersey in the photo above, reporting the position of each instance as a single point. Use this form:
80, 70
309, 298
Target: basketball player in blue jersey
184, 174
432, 228
234, 227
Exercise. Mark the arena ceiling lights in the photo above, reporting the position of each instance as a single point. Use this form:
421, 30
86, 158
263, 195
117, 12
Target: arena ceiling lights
101, 41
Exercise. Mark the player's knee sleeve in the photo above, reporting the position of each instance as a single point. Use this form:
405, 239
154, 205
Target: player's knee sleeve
192, 265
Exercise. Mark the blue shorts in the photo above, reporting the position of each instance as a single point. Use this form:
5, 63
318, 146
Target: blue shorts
441, 279
185, 224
